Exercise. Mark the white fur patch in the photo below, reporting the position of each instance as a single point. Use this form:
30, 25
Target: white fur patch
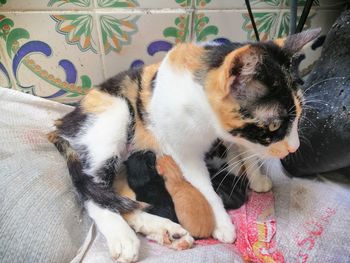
293, 137
121, 239
105, 134
186, 125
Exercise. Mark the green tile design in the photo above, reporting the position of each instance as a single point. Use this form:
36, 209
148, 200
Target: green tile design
184, 3
180, 31
202, 3
273, 3
117, 32
2, 2
77, 30
302, 2
265, 23
284, 24
201, 28
81, 3
117, 3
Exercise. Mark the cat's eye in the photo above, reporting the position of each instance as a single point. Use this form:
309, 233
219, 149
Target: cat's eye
275, 125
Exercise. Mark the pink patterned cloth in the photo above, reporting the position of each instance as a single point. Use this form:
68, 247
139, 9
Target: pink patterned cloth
256, 228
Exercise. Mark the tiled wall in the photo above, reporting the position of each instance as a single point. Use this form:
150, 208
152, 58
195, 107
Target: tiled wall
58, 49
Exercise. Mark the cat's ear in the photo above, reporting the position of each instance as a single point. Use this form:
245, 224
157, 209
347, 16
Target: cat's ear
296, 42
240, 67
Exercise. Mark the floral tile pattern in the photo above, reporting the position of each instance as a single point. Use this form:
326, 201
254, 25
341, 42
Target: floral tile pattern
149, 46
59, 49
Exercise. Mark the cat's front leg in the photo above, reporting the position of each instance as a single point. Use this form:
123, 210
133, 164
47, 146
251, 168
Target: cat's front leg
196, 172
258, 181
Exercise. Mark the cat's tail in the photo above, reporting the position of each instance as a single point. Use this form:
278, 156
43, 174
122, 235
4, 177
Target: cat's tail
87, 188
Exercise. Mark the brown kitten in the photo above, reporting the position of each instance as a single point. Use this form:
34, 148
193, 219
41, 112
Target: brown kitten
192, 209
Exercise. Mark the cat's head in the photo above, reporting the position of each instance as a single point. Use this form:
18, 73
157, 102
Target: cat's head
255, 91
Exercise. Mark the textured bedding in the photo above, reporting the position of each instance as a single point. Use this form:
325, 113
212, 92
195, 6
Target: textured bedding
301, 220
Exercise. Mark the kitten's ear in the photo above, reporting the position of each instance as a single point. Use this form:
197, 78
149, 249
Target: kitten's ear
296, 42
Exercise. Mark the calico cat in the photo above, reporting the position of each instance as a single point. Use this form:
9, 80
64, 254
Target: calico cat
242, 93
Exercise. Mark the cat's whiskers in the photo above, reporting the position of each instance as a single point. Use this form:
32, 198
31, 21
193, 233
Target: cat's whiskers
253, 176
226, 166
227, 149
236, 164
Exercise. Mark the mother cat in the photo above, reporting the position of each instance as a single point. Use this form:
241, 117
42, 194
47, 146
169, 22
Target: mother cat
244, 93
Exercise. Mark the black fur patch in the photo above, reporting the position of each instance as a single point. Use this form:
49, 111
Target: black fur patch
217, 150
231, 188
113, 85
72, 123
148, 185
102, 192
131, 127
215, 54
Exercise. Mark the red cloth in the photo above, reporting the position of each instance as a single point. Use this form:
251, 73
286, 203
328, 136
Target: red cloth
256, 228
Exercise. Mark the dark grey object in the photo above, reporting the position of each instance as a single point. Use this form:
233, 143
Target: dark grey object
325, 126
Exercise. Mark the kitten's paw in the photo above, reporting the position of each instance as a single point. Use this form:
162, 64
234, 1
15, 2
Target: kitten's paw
124, 246
171, 235
160, 230
225, 231
261, 183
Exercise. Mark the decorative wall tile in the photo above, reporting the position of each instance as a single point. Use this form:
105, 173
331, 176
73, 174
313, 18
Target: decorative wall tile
323, 4
46, 4
236, 4
58, 49
5, 72
233, 25
149, 39
143, 3
43, 62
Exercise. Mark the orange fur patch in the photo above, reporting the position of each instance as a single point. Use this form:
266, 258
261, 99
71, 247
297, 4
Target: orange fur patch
121, 186
186, 56
96, 101
223, 104
52, 136
218, 84
143, 138
298, 108
191, 207
279, 149
58, 122
279, 41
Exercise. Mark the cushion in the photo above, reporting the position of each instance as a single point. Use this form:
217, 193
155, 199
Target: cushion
40, 219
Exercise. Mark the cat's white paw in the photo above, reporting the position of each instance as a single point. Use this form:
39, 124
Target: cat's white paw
261, 183
124, 246
225, 231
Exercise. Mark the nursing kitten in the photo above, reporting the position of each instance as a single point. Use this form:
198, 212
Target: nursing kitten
242, 93
192, 209
148, 186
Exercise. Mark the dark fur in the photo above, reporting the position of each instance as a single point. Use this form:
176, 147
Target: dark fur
102, 193
148, 185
